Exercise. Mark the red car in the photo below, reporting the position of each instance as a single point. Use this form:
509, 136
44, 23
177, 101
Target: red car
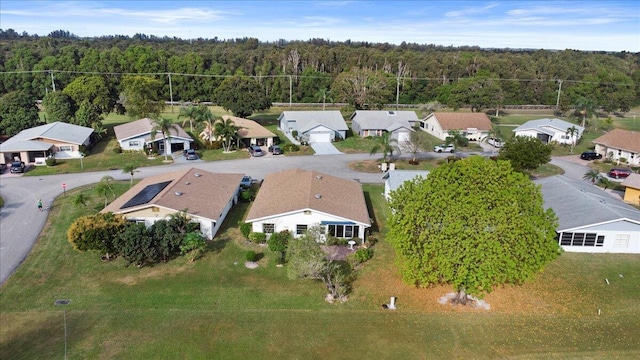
619, 173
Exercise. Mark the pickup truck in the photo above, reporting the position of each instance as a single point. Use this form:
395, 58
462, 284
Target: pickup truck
444, 148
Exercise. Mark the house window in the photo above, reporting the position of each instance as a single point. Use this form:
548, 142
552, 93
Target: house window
134, 143
622, 240
301, 229
422, 125
66, 148
344, 231
581, 239
268, 228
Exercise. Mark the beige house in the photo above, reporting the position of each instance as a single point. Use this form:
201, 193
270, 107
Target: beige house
250, 132
632, 189
619, 144
204, 196
296, 199
137, 135
58, 139
473, 126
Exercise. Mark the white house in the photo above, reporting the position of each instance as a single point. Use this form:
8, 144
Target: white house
393, 179
58, 139
619, 144
591, 220
376, 122
473, 126
137, 135
314, 126
550, 130
204, 196
296, 199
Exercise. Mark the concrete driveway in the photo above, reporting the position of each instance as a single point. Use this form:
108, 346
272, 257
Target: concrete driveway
324, 148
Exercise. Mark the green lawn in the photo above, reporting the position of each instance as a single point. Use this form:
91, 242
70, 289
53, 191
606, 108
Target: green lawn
217, 308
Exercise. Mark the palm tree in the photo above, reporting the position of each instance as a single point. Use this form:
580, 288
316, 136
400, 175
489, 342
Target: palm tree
129, 169
226, 131
586, 108
386, 144
592, 175
104, 187
80, 199
573, 133
208, 133
164, 126
322, 95
606, 183
190, 113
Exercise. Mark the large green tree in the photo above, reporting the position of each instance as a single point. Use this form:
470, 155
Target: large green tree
525, 153
93, 89
58, 107
363, 88
18, 111
96, 232
142, 96
241, 95
475, 224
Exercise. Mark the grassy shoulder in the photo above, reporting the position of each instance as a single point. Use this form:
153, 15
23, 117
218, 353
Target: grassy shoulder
216, 307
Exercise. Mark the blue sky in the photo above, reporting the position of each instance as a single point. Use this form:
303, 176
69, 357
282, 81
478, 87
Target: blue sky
581, 25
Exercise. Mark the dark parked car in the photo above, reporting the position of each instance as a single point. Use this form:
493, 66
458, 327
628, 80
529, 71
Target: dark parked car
255, 150
590, 155
275, 149
2, 167
619, 173
17, 167
190, 154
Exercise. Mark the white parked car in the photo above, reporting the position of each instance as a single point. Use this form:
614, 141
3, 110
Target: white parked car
495, 142
444, 148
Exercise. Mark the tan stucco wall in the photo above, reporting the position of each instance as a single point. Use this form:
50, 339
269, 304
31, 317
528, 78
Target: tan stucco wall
632, 196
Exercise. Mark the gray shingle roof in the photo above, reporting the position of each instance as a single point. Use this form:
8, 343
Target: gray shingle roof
398, 177
548, 126
579, 203
383, 119
307, 120
57, 131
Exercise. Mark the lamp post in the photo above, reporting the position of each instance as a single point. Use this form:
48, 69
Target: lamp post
64, 317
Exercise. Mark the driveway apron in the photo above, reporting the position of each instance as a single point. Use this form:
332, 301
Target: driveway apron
324, 148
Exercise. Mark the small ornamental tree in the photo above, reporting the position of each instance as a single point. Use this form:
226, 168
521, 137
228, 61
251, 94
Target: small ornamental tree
474, 224
193, 246
96, 232
278, 243
525, 153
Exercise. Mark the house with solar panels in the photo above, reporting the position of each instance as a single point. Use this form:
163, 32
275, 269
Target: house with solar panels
205, 197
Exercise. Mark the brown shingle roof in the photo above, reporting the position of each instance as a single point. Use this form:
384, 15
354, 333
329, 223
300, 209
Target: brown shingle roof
632, 181
296, 189
142, 127
620, 139
205, 195
249, 129
463, 121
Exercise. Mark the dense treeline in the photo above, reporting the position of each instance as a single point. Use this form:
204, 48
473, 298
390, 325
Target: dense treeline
193, 69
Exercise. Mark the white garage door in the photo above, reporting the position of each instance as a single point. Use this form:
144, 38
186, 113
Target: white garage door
319, 137
403, 137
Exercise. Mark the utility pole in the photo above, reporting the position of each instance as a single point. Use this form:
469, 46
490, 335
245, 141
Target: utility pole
397, 92
558, 99
290, 89
170, 92
53, 83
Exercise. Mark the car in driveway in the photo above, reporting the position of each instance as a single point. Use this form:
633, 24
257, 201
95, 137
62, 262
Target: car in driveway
618, 173
495, 142
256, 151
190, 154
246, 182
17, 167
275, 150
2, 167
444, 148
590, 155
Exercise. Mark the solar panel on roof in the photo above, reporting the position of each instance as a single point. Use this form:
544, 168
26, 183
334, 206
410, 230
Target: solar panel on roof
145, 195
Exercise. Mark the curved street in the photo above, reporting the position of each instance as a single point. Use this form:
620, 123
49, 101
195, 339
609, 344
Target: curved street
21, 222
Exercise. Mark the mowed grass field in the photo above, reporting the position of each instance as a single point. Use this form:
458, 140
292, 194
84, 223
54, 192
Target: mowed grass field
216, 308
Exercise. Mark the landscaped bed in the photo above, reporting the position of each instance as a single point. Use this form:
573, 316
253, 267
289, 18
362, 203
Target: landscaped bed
217, 308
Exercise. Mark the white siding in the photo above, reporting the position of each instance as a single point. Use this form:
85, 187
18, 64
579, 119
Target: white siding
619, 238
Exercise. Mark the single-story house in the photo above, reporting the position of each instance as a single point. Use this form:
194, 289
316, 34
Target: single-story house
136, 135
473, 126
619, 144
393, 179
376, 122
250, 132
204, 196
58, 139
549, 130
590, 219
632, 189
314, 126
297, 199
